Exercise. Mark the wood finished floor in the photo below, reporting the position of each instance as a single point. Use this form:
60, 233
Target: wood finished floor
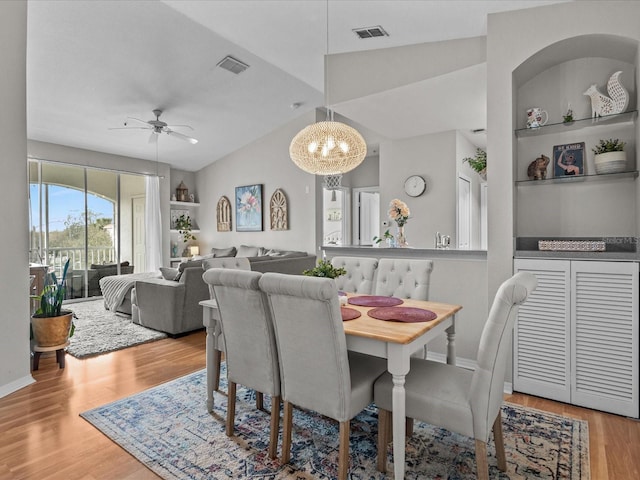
43, 437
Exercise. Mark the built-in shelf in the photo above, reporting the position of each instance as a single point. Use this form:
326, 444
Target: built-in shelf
580, 124
579, 178
175, 203
196, 230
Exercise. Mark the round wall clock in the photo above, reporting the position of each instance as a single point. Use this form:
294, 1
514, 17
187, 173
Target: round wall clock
415, 185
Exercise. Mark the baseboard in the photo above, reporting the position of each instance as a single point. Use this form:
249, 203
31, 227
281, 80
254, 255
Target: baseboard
15, 385
464, 363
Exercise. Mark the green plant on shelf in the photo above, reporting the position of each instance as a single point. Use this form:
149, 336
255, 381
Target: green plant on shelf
184, 226
609, 145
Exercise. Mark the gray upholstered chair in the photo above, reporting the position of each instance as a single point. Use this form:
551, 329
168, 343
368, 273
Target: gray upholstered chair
360, 274
235, 263
251, 353
403, 278
462, 401
316, 371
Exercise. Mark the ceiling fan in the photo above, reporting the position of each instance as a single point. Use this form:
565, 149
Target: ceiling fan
157, 127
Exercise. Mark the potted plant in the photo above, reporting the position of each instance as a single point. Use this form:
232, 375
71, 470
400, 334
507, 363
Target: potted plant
478, 163
610, 156
183, 225
388, 236
325, 269
50, 324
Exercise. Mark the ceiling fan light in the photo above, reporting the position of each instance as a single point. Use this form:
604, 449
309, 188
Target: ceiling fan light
328, 160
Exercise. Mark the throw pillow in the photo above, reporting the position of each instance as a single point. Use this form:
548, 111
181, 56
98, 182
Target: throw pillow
224, 252
170, 273
247, 251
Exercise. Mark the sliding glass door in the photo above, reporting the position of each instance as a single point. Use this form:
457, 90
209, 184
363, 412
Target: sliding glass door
86, 216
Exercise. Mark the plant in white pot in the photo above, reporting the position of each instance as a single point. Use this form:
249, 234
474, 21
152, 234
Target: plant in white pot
51, 325
610, 156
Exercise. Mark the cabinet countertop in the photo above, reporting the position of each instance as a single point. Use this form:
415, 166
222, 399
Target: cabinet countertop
573, 255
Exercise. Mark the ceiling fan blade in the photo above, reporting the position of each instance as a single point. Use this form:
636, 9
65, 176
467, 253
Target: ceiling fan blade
137, 120
181, 136
129, 128
180, 126
153, 138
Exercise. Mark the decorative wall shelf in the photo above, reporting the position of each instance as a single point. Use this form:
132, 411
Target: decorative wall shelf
183, 204
579, 178
580, 124
194, 230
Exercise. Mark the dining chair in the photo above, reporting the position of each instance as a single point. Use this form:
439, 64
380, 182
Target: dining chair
460, 400
403, 278
251, 352
316, 370
235, 263
360, 274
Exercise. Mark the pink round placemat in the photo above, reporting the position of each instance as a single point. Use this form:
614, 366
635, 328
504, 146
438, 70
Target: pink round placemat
375, 301
402, 314
349, 313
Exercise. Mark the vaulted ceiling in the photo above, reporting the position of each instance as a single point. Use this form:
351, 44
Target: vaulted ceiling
92, 64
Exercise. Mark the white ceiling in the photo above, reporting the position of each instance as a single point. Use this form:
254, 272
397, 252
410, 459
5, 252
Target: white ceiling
92, 63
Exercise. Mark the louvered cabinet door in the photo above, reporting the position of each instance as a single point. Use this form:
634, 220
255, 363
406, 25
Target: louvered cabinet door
605, 339
542, 332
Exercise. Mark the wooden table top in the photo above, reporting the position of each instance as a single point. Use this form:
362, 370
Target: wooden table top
397, 332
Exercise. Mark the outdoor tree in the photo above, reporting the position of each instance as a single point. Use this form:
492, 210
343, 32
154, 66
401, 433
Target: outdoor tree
73, 234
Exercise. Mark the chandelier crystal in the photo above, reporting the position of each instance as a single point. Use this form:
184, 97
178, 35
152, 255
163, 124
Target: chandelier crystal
328, 148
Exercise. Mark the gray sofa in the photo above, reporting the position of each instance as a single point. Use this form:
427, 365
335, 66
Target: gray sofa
172, 304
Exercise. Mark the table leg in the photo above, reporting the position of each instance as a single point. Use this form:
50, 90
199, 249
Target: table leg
209, 355
398, 363
451, 342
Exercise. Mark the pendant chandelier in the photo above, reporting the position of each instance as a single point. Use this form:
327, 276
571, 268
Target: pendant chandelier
329, 147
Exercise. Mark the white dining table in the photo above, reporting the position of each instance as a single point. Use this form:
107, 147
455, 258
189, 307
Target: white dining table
396, 341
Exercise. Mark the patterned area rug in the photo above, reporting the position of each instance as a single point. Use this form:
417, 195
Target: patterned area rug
101, 331
169, 430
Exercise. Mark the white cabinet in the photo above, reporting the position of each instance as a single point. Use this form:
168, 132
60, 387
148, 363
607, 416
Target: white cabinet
576, 339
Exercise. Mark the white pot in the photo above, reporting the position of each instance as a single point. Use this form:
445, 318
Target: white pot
611, 162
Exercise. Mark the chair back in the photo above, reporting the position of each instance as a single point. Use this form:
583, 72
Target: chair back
404, 278
245, 318
314, 367
235, 263
487, 386
360, 274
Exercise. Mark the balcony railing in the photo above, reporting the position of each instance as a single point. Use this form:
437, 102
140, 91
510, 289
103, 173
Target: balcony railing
57, 257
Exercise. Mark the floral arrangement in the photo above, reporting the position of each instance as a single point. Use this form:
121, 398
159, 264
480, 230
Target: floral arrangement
399, 212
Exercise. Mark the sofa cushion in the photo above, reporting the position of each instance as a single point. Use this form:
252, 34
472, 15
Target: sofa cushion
247, 251
224, 252
189, 263
98, 266
170, 273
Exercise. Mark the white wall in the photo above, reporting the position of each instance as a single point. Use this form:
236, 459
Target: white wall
434, 158
14, 341
265, 161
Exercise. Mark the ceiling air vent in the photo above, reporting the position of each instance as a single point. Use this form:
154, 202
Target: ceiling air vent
232, 64
370, 32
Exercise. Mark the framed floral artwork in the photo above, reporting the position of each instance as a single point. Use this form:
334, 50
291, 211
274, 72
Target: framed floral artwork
249, 208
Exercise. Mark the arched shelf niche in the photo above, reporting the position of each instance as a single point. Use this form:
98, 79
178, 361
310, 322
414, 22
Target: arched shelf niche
552, 79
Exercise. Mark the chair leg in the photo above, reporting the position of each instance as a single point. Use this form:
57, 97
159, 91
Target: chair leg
231, 407
499, 439
408, 427
384, 420
286, 432
259, 401
343, 455
482, 464
217, 358
275, 426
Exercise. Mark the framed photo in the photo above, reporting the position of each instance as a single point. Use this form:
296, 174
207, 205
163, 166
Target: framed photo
249, 208
568, 160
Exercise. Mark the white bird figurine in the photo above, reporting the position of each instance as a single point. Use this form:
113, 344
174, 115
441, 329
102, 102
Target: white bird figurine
616, 102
